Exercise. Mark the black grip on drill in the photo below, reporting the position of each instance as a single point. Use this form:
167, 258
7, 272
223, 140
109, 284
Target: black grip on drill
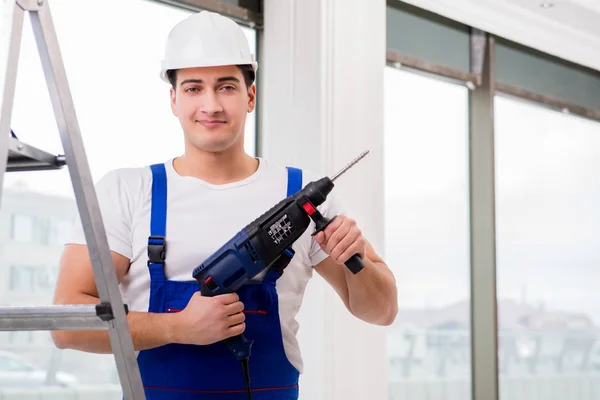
355, 264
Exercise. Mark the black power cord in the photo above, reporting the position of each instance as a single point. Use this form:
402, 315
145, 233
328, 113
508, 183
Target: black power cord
246, 370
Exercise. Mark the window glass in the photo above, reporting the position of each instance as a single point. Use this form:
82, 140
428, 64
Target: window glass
10, 364
427, 236
21, 337
548, 225
22, 279
61, 230
22, 228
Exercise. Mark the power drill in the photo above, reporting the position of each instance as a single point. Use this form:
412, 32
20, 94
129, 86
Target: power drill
267, 243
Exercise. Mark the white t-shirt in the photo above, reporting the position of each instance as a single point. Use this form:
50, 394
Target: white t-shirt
201, 217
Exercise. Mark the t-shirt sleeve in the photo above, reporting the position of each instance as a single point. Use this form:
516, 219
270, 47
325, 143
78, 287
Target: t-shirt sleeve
114, 205
330, 208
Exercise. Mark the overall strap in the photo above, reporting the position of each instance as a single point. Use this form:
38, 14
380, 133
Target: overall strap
158, 223
294, 184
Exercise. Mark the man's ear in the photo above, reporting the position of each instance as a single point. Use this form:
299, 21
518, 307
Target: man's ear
173, 101
251, 98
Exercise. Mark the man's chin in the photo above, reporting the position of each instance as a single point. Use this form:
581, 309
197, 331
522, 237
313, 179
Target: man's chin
214, 142
214, 146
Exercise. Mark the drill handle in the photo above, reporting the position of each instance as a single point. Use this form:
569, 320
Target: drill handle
355, 264
205, 291
239, 346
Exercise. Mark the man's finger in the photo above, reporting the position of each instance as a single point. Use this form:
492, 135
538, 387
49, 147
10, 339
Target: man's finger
320, 237
333, 225
229, 298
236, 319
234, 308
344, 244
336, 237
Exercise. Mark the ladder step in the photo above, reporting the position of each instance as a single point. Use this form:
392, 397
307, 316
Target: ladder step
51, 318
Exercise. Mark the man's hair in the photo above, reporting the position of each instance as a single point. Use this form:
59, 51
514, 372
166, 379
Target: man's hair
247, 72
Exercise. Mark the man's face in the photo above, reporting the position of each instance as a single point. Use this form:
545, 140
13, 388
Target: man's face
211, 104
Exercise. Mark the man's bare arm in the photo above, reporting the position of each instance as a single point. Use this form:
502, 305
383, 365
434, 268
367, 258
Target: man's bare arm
76, 285
370, 295
204, 320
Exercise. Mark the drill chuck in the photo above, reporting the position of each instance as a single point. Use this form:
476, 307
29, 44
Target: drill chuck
317, 191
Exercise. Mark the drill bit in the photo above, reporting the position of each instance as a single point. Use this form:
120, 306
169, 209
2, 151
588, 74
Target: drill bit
350, 165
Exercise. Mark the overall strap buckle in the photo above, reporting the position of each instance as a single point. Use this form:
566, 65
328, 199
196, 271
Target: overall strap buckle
156, 249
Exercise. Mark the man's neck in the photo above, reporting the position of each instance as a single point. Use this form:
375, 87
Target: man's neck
216, 168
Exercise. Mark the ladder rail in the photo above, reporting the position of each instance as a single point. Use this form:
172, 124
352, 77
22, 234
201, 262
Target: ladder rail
85, 195
8, 93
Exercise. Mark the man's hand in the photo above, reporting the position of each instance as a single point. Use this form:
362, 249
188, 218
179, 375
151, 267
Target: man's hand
206, 320
341, 239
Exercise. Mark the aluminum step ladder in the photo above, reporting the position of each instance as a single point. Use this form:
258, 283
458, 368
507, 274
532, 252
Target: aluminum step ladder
110, 314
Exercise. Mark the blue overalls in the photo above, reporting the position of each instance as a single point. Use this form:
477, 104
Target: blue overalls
212, 372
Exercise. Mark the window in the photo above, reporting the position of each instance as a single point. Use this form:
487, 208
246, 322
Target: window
61, 231
33, 229
22, 228
12, 364
548, 225
43, 230
427, 235
23, 279
46, 277
29, 279
21, 337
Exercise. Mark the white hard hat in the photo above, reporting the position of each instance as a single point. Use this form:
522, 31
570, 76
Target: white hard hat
206, 39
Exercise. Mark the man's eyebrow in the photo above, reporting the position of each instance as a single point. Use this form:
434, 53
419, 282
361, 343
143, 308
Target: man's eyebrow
190, 81
200, 81
228, 78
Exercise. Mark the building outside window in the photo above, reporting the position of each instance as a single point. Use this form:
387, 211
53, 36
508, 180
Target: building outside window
21, 337
23, 278
22, 228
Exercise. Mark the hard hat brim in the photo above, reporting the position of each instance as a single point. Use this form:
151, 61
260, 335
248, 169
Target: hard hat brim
199, 64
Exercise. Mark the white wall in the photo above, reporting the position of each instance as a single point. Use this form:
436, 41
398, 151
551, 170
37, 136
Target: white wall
322, 66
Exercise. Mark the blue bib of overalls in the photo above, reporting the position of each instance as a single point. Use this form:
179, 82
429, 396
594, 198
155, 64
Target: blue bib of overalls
212, 372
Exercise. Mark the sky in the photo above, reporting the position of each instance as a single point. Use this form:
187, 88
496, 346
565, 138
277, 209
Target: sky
547, 185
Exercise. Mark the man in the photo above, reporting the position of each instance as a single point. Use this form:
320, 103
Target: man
193, 204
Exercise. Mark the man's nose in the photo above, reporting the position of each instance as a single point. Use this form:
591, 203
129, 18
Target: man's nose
211, 103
